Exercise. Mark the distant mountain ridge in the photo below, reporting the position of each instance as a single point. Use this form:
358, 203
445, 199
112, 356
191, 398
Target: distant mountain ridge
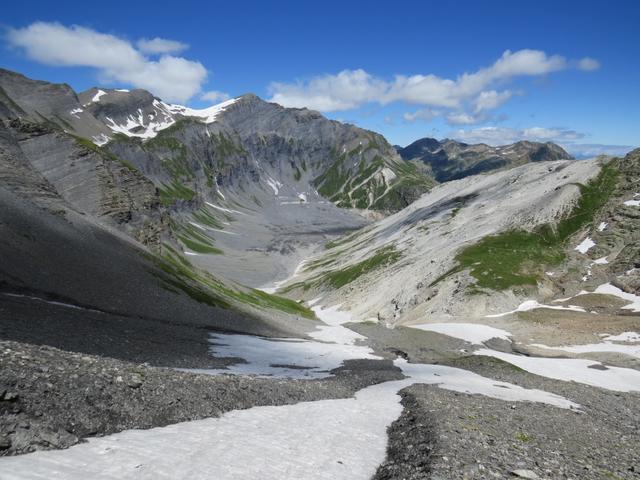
452, 160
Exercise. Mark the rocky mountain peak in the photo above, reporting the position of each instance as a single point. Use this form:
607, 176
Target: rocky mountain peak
450, 160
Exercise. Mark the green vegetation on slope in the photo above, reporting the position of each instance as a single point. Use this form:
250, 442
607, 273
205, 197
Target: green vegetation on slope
174, 191
103, 152
206, 217
194, 239
516, 257
205, 288
382, 257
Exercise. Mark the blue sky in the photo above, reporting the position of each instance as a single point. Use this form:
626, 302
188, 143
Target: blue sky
477, 71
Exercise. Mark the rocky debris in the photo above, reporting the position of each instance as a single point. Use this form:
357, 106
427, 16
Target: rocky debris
529, 474
477, 437
616, 234
411, 458
432, 231
50, 398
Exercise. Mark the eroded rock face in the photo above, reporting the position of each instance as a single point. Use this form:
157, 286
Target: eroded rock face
93, 182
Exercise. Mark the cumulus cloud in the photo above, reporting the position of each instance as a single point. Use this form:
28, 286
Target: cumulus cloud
117, 60
588, 64
504, 135
160, 45
215, 96
352, 88
490, 99
462, 118
344, 91
426, 114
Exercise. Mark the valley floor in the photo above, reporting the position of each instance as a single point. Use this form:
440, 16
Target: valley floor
418, 403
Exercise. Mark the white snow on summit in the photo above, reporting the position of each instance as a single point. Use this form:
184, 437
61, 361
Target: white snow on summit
164, 116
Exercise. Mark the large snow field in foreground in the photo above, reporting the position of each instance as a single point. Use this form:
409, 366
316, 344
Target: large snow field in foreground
326, 439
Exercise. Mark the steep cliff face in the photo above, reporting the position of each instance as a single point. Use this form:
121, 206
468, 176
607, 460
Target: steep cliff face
452, 160
93, 181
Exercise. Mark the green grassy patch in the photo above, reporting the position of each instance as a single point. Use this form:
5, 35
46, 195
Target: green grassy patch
384, 256
103, 152
523, 437
172, 192
205, 288
206, 217
517, 257
194, 239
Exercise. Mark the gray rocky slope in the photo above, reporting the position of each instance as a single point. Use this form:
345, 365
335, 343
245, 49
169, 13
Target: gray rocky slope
472, 247
452, 160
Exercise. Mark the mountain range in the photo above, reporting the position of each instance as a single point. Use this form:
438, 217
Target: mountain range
451, 160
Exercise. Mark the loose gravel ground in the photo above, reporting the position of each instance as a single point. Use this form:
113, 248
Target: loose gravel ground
52, 399
445, 435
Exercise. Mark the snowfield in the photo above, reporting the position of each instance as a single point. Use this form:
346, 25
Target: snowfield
283, 357
533, 305
469, 332
326, 439
573, 370
585, 245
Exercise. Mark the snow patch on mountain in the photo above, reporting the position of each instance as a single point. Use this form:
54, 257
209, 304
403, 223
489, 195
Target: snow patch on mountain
585, 245
326, 439
469, 332
573, 370
533, 305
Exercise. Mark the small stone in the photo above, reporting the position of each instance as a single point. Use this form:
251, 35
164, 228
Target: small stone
525, 474
10, 396
135, 381
5, 443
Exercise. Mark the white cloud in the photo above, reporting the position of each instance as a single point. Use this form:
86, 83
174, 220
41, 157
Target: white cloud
343, 91
353, 88
504, 135
117, 61
490, 99
588, 64
215, 96
462, 118
160, 45
425, 114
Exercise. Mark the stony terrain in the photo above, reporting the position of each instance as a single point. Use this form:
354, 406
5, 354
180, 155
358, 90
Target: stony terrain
51, 398
426, 236
445, 435
368, 270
